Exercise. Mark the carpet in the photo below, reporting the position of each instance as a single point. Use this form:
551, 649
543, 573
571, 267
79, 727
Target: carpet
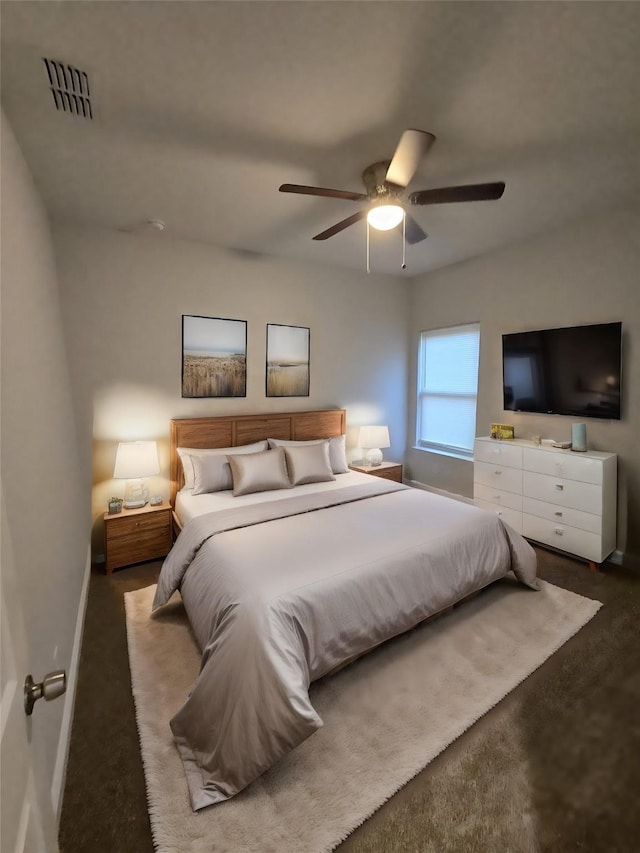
385, 717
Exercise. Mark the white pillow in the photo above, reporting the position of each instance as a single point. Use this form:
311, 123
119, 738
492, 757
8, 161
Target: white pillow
259, 472
186, 454
337, 450
309, 464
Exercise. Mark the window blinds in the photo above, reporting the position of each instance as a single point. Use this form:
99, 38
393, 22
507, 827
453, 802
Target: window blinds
447, 388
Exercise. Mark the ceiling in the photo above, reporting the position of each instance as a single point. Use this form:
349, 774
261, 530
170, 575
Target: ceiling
202, 109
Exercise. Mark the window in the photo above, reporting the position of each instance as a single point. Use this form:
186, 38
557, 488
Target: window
448, 388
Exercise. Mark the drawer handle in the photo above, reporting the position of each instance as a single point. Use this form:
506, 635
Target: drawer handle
559, 531
558, 513
559, 486
497, 498
499, 512
497, 472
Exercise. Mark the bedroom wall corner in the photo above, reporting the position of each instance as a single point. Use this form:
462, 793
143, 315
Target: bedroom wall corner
45, 495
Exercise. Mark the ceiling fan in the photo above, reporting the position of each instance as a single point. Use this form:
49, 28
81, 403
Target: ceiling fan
385, 182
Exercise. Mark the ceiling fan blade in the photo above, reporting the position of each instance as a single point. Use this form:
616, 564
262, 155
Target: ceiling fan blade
413, 232
322, 191
340, 226
470, 192
412, 147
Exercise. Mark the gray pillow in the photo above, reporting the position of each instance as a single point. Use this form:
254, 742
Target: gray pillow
309, 464
337, 450
187, 455
259, 472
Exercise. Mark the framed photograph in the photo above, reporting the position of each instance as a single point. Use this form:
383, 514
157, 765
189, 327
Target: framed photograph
214, 357
287, 361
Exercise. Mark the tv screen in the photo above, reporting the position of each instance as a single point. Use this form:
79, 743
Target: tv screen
572, 371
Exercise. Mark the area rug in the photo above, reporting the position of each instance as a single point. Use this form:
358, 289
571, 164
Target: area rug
385, 717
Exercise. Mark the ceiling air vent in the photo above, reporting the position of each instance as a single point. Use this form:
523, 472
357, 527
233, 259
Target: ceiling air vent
69, 88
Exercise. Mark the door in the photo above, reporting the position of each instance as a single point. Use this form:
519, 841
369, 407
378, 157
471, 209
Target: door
27, 821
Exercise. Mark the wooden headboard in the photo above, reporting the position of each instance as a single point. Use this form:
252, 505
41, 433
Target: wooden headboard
234, 430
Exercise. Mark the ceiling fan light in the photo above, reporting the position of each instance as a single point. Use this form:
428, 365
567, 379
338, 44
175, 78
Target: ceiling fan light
384, 217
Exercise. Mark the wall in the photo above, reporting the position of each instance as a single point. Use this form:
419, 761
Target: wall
123, 297
45, 491
584, 273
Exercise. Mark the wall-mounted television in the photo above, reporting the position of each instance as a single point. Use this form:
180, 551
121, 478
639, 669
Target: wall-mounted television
570, 371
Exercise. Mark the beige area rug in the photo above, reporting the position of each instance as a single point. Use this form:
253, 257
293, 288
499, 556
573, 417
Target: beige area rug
385, 718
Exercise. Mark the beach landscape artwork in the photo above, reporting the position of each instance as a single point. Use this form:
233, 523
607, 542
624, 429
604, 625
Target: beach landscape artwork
287, 361
214, 357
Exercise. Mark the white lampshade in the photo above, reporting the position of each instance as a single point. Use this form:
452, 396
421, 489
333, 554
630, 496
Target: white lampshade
384, 217
136, 459
374, 436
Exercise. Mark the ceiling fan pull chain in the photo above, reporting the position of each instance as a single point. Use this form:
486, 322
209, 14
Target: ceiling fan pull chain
368, 264
404, 240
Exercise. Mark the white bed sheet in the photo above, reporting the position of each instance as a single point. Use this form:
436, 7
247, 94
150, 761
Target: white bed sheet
280, 593
190, 506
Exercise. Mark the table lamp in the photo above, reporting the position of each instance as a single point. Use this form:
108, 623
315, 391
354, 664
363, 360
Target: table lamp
134, 461
372, 438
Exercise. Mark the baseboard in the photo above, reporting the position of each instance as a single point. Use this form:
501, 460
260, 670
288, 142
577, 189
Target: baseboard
629, 561
60, 769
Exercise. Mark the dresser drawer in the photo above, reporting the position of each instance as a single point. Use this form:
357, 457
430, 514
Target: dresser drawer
498, 452
511, 516
563, 515
570, 466
579, 542
498, 476
585, 497
497, 496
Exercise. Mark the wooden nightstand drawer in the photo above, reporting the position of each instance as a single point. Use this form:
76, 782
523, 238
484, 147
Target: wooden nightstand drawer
137, 524
387, 470
137, 535
394, 473
147, 546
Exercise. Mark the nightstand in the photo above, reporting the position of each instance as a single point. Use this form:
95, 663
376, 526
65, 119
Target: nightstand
386, 470
136, 535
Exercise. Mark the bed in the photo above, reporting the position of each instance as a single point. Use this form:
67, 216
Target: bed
284, 586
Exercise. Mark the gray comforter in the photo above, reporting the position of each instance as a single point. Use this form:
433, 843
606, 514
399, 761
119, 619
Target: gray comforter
279, 594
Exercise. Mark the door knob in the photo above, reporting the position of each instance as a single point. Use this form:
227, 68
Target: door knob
54, 684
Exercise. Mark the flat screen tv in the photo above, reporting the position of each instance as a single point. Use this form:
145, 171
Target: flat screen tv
571, 371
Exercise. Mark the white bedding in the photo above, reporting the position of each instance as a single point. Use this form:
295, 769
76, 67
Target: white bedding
190, 506
281, 592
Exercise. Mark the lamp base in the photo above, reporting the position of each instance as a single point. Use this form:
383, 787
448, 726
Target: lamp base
374, 457
134, 504
135, 495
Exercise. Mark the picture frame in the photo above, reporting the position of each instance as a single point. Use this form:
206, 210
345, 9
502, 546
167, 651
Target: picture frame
214, 357
287, 361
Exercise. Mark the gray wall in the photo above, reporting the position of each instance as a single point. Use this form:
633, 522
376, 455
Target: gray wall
123, 296
584, 273
45, 495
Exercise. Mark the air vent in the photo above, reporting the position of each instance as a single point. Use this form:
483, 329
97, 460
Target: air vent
69, 88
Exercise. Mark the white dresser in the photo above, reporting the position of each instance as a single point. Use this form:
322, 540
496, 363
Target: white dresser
553, 496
